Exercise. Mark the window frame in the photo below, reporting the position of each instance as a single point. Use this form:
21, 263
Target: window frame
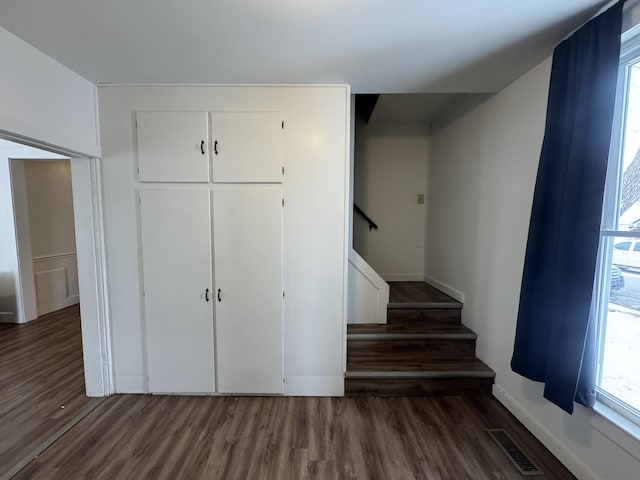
609, 233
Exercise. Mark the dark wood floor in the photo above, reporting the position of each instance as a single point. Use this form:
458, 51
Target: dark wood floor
40, 371
180, 437
135, 437
418, 292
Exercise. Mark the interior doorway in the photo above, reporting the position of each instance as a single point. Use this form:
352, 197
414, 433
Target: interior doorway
54, 352
45, 234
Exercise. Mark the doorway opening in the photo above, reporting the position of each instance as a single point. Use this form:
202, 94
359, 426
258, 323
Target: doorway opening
48, 343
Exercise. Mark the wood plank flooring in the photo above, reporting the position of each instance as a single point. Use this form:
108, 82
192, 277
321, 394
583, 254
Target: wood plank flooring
435, 327
410, 364
175, 437
136, 437
417, 292
41, 371
423, 315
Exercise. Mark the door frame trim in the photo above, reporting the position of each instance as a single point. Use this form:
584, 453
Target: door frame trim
92, 278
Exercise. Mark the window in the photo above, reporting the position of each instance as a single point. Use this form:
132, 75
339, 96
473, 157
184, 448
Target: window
618, 281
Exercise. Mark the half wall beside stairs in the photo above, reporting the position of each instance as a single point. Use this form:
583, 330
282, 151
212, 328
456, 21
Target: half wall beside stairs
368, 292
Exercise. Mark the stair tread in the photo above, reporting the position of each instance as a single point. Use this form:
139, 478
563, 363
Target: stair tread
424, 316
418, 293
464, 364
408, 386
425, 305
408, 328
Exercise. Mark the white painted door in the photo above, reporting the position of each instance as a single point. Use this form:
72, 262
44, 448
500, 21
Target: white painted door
176, 255
173, 146
247, 147
248, 283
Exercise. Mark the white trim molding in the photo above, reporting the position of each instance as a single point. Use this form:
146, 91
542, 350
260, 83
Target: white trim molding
130, 384
567, 458
402, 277
54, 256
618, 429
365, 288
449, 290
96, 329
314, 386
56, 281
59, 305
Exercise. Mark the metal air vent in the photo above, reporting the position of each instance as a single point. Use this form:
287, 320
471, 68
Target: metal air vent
517, 456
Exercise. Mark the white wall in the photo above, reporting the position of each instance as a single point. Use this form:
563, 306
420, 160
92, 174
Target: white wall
315, 222
390, 171
17, 287
48, 105
482, 176
41, 99
50, 204
52, 233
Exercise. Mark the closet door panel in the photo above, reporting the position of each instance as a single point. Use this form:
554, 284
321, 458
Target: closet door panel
248, 278
247, 147
173, 146
176, 256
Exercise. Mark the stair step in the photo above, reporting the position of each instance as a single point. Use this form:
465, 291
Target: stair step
394, 305
403, 351
442, 365
422, 350
431, 328
411, 336
408, 344
408, 386
463, 376
420, 292
424, 316
434, 374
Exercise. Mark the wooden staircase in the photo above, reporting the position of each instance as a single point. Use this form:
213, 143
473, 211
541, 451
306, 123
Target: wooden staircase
423, 349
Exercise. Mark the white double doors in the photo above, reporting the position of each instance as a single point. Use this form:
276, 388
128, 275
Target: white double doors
212, 278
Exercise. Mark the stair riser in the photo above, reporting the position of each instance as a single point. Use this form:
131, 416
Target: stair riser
400, 387
399, 352
424, 315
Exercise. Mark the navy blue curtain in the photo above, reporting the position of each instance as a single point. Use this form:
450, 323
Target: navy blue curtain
555, 335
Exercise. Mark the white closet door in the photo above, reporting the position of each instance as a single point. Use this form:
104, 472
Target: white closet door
176, 255
248, 280
173, 146
247, 147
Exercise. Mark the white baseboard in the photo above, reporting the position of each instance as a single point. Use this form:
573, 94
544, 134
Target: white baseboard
8, 317
402, 277
448, 289
52, 307
314, 386
568, 459
130, 384
295, 386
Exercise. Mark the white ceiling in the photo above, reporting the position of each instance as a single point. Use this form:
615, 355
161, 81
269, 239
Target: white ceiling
377, 46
